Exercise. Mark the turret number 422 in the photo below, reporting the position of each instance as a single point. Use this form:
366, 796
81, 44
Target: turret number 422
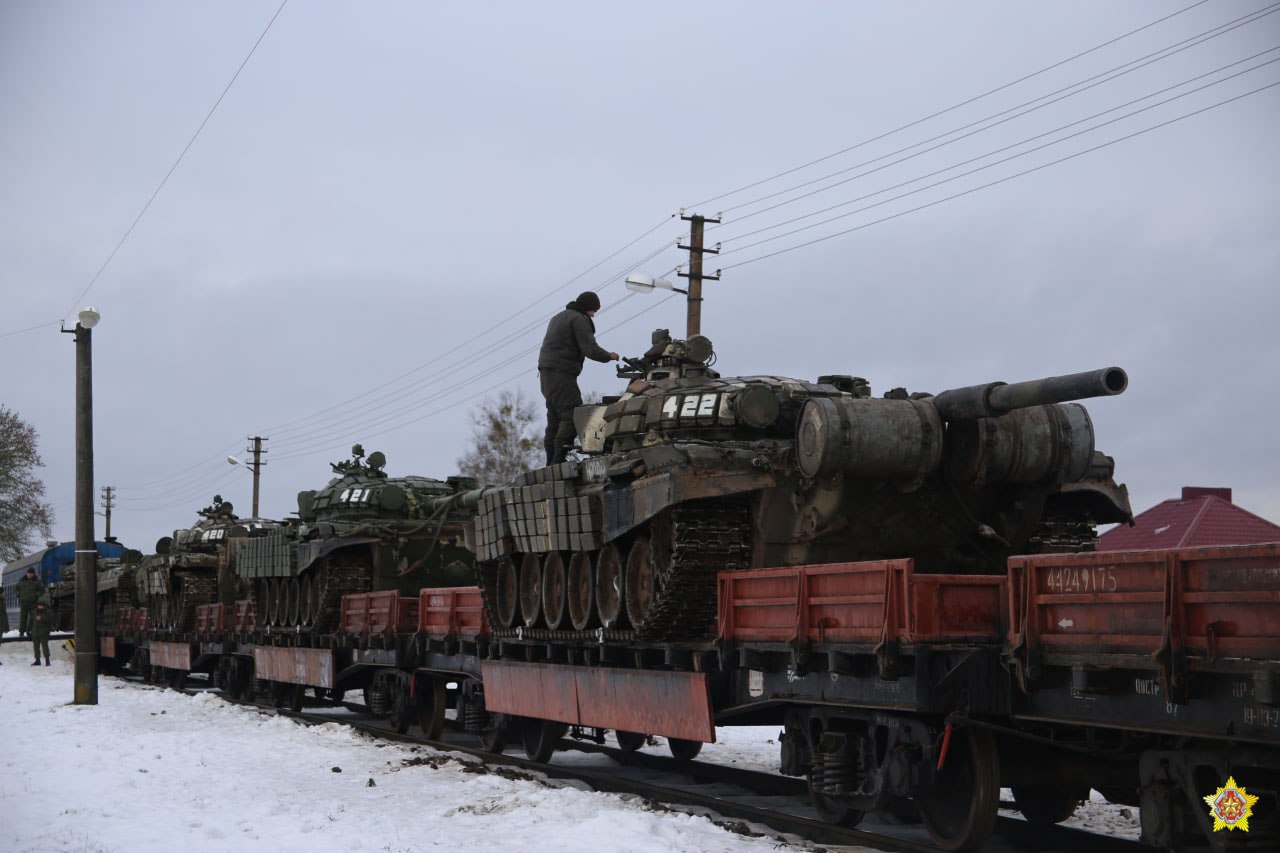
690, 406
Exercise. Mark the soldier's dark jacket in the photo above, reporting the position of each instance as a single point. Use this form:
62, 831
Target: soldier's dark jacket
29, 590
41, 623
570, 337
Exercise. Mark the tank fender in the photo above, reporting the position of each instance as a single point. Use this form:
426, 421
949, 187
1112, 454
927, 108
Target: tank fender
631, 504
309, 552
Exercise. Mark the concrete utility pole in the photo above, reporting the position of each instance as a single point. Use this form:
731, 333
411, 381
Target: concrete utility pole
108, 501
696, 250
256, 467
86, 669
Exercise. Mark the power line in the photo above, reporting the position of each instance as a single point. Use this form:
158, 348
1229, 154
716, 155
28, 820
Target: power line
1065, 92
998, 181
1005, 148
951, 108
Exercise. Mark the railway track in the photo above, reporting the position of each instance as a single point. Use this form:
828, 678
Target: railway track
747, 802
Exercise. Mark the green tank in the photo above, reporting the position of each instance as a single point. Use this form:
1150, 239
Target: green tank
364, 531
689, 473
195, 566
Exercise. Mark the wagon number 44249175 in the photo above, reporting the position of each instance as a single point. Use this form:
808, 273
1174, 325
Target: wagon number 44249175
1086, 579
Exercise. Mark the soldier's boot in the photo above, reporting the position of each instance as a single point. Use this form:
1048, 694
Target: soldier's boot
46, 661
36, 662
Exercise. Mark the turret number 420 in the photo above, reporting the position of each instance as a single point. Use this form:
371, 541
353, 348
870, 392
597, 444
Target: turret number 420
690, 406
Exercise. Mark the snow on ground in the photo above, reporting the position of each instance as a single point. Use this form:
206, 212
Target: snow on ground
150, 770
154, 770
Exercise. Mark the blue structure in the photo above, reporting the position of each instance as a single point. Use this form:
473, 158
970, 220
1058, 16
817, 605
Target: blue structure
48, 564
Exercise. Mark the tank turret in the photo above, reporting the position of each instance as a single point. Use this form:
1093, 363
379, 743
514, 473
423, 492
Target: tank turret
687, 473
364, 530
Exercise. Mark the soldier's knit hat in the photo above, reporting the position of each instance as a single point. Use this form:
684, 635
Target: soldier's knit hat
588, 301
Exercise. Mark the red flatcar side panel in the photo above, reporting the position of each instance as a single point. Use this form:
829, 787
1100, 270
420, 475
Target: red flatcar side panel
1102, 601
209, 620
313, 667
668, 704
244, 619
831, 603
107, 646
1230, 601
452, 611
952, 608
354, 617
171, 655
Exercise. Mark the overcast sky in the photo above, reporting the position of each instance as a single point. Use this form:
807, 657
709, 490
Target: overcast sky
392, 197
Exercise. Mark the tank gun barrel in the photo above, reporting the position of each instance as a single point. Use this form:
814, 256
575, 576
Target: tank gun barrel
997, 398
460, 500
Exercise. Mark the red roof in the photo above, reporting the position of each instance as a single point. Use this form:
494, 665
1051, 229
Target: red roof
1202, 516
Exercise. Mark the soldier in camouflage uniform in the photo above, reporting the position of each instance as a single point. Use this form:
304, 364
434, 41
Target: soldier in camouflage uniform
570, 338
29, 591
41, 623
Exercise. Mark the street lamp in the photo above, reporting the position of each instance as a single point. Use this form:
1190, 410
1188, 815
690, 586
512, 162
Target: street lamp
253, 468
86, 667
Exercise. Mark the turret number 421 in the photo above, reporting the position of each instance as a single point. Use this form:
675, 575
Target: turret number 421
690, 406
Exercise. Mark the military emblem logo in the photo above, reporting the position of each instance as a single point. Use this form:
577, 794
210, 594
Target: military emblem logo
1231, 806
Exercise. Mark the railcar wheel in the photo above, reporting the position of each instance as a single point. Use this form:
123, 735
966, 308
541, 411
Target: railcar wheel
582, 592
494, 738
540, 738
429, 703
531, 590
1046, 805
630, 741
507, 593
402, 713
640, 585
959, 806
684, 750
832, 810
554, 591
609, 583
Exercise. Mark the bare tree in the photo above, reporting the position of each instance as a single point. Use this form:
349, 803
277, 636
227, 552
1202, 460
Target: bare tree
22, 508
505, 440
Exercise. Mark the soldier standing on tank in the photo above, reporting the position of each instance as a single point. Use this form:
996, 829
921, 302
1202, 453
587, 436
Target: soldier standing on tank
29, 591
41, 622
570, 338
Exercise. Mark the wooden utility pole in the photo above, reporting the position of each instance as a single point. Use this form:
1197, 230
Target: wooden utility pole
108, 501
696, 250
256, 467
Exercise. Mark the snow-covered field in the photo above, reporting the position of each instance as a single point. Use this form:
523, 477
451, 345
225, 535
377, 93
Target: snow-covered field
154, 770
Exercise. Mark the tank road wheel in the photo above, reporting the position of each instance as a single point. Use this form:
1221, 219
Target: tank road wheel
530, 590
684, 750
1046, 806
507, 593
540, 738
640, 583
555, 590
305, 607
959, 806
582, 592
630, 741
609, 583
429, 705
494, 738
291, 595
273, 601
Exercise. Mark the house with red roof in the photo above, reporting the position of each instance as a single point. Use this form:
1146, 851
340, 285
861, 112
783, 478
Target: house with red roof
1202, 516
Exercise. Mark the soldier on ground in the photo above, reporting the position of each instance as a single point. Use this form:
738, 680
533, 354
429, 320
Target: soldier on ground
571, 337
29, 591
41, 623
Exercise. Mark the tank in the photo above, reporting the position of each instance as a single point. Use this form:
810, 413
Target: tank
364, 531
689, 473
195, 566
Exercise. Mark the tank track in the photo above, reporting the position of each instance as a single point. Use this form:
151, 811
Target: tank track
196, 590
341, 577
1063, 535
701, 539
704, 539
